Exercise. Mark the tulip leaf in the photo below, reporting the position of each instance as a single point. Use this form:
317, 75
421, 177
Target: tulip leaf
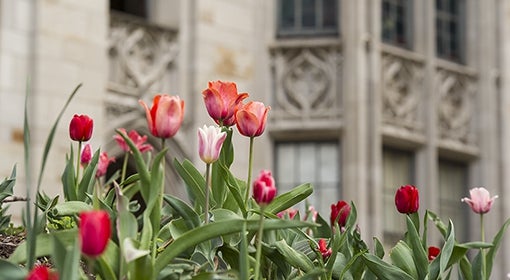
378, 248
70, 208
465, 268
491, 254
89, 178
446, 251
290, 198
66, 257
69, 179
294, 257
235, 190
383, 270
402, 256
11, 271
419, 254
224, 227
187, 213
194, 180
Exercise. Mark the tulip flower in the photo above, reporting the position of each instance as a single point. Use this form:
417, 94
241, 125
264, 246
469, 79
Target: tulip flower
210, 140
407, 199
251, 118
95, 231
42, 272
290, 213
480, 200
86, 155
165, 117
137, 139
433, 252
324, 250
339, 213
222, 100
80, 128
264, 189
102, 164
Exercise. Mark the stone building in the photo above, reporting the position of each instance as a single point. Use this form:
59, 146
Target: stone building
366, 95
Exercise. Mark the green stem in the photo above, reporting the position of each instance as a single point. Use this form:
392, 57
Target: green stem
250, 163
482, 251
155, 215
124, 167
207, 179
259, 243
78, 158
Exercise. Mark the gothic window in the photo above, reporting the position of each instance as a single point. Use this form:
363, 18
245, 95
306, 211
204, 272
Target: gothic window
396, 22
307, 18
133, 7
309, 162
398, 170
453, 177
450, 25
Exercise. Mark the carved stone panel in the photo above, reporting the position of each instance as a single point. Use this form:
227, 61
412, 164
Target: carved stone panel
402, 90
306, 82
456, 106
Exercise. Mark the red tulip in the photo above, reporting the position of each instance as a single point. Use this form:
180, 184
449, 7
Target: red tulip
251, 118
137, 139
407, 199
80, 128
95, 232
339, 213
323, 249
480, 200
264, 189
433, 252
222, 100
86, 155
42, 272
166, 115
102, 164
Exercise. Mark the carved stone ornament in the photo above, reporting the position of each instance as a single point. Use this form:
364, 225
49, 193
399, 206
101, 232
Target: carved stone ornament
401, 92
455, 108
306, 82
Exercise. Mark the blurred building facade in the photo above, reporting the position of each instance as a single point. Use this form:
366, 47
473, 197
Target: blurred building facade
366, 95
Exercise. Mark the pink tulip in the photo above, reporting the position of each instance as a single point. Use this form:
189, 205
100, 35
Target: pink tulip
290, 213
102, 164
222, 100
165, 117
210, 140
86, 155
264, 189
324, 250
480, 200
80, 128
407, 199
95, 231
138, 140
251, 118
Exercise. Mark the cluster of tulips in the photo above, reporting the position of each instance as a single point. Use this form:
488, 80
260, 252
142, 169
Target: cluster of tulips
228, 228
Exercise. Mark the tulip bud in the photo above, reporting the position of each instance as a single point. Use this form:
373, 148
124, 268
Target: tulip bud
480, 200
95, 232
339, 213
264, 189
86, 155
407, 199
251, 118
42, 272
80, 128
222, 100
324, 250
433, 252
165, 117
210, 141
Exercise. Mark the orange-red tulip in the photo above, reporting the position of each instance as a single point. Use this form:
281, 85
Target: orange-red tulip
166, 115
222, 100
251, 118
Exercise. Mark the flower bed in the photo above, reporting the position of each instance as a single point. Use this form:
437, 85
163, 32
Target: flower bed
233, 228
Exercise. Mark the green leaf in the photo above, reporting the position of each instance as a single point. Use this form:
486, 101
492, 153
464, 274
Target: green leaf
402, 256
465, 268
11, 271
212, 230
378, 248
491, 254
66, 257
294, 257
383, 270
447, 249
89, 178
419, 253
290, 198
235, 190
190, 217
7, 185
44, 245
68, 179
70, 208
194, 180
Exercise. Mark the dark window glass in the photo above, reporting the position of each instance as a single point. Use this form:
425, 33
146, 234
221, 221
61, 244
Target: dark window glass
133, 7
450, 21
307, 18
396, 23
